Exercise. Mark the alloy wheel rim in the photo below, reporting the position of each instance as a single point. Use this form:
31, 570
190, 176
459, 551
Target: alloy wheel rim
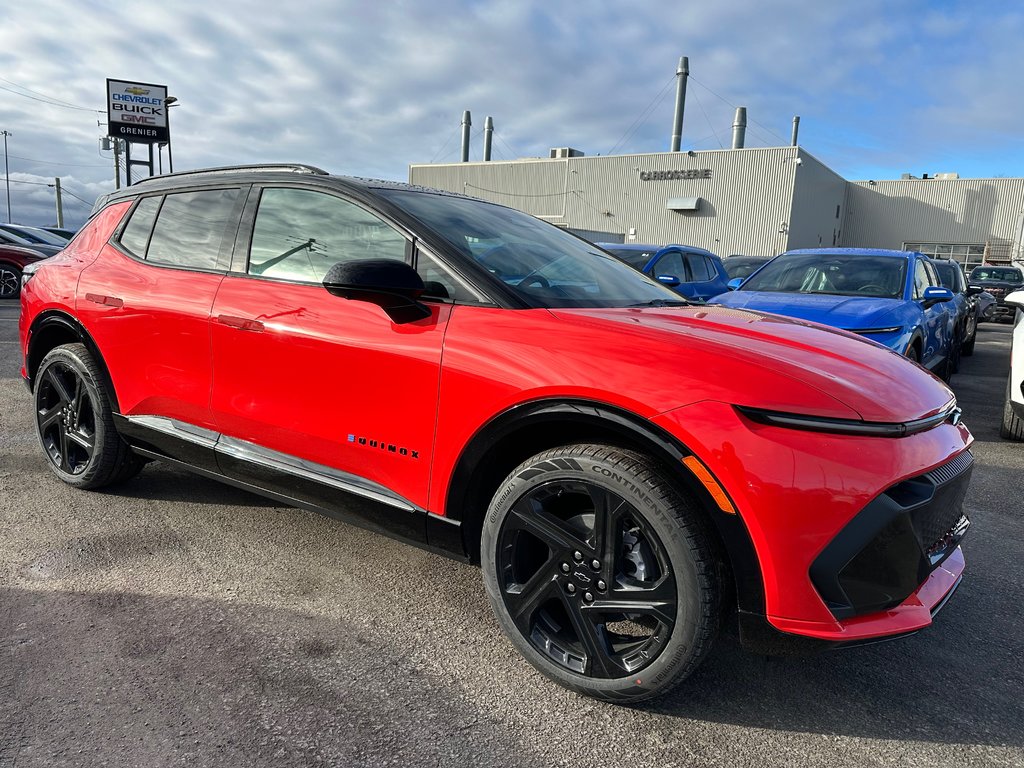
586, 580
66, 418
8, 283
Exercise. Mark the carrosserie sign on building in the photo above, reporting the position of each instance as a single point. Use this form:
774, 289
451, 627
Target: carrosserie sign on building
137, 112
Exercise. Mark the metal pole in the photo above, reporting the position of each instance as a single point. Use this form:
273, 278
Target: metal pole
60, 202
682, 73
488, 131
7, 175
170, 159
467, 122
796, 128
117, 163
739, 128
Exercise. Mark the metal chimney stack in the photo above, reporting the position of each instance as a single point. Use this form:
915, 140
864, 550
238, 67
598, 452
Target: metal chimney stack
682, 73
739, 128
467, 123
796, 129
488, 132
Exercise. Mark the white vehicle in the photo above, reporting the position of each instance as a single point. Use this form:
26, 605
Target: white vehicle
1012, 427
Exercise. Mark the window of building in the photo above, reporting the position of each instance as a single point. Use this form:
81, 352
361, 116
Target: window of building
300, 234
968, 255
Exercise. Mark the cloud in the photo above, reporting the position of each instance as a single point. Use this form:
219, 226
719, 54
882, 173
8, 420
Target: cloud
368, 89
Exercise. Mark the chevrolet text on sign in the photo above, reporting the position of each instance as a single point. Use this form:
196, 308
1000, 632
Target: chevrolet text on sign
137, 112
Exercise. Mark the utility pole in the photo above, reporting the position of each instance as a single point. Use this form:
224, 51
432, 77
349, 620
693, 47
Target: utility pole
7, 175
117, 163
60, 202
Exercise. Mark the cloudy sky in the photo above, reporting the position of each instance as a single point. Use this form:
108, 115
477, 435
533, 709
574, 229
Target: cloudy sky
367, 87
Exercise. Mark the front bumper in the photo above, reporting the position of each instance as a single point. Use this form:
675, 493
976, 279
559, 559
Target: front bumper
857, 538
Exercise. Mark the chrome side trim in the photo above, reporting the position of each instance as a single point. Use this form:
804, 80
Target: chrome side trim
318, 473
281, 462
180, 429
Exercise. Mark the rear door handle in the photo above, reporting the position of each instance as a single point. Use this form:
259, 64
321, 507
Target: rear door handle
110, 301
241, 323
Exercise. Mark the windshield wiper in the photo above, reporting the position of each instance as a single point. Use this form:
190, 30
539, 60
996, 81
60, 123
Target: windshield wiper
662, 303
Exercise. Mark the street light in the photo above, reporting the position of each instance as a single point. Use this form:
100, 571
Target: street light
7, 175
169, 102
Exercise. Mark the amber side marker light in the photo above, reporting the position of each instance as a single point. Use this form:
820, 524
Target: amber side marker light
717, 492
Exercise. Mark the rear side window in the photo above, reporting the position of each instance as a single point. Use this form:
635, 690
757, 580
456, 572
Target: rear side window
192, 227
699, 268
135, 237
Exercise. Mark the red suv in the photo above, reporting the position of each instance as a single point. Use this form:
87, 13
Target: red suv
628, 470
13, 260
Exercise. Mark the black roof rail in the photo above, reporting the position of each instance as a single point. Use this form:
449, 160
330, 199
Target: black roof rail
288, 167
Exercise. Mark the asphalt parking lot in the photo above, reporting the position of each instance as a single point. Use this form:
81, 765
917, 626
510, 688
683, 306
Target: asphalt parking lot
176, 621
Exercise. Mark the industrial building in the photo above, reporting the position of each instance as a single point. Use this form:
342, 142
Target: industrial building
753, 201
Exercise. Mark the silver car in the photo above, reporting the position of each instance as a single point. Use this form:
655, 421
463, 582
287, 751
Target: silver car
1012, 427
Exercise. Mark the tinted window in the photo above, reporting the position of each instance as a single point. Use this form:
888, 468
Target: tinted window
700, 271
841, 274
922, 279
542, 264
950, 275
671, 264
300, 234
135, 237
990, 273
190, 230
441, 283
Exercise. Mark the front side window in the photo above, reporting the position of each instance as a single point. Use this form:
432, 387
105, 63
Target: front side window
300, 234
193, 229
671, 264
921, 280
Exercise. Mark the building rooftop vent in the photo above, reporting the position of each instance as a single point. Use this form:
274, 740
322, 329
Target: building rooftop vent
559, 152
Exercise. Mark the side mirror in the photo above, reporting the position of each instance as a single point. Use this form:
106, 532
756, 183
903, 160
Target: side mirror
392, 285
1015, 299
735, 283
935, 295
670, 280
973, 290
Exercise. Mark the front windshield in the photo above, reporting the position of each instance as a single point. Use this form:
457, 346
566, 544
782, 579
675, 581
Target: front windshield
544, 265
842, 275
989, 273
947, 275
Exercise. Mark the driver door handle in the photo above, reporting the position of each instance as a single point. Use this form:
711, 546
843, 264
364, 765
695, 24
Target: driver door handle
241, 323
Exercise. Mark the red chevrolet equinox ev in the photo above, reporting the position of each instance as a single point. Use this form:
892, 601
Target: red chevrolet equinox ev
631, 472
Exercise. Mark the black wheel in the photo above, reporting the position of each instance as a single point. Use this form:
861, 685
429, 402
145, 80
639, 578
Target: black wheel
10, 281
74, 424
601, 573
952, 363
912, 354
1012, 427
970, 335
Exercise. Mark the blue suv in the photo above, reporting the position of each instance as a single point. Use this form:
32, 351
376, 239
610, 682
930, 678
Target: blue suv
693, 272
892, 297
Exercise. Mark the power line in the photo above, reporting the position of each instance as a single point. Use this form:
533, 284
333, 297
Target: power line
698, 82
710, 124
45, 99
643, 116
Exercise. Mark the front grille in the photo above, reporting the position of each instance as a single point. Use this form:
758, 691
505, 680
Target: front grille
885, 553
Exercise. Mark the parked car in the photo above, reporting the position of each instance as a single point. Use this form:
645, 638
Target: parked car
743, 266
35, 235
1012, 427
892, 297
691, 272
965, 300
8, 238
13, 260
624, 467
67, 234
999, 281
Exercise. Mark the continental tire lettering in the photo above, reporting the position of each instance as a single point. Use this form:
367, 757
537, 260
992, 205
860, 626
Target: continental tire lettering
625, 482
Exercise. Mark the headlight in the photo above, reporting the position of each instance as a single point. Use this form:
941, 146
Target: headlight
851, 426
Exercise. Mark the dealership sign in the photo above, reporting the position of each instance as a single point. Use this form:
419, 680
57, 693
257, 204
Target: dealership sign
137, 112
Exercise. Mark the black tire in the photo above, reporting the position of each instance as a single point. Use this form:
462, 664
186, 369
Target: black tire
601, 572
74, 424
912, 354
10, 281
951, 364
1011, 427
972, 336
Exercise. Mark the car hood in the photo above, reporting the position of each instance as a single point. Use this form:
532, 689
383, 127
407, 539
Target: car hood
847, 312
766, 361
